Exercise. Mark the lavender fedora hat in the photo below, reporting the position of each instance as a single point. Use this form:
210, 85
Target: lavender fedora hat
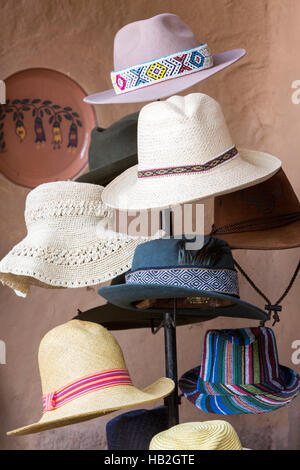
159, 57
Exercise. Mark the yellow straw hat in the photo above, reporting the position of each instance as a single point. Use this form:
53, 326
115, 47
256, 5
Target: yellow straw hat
206, 435
84, 375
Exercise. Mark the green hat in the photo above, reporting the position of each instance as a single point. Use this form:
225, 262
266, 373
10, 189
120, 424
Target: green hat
112, 151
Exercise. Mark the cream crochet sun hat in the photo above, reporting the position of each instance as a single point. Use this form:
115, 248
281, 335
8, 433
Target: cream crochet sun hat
185, 153
70, 241
84, 375
206, 435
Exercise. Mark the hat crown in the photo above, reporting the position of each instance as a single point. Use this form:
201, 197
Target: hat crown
182, 130
48, 206
150, 39
206, 435
170, 252
274, 197
124, 431
116, 143
74, 350
242, 356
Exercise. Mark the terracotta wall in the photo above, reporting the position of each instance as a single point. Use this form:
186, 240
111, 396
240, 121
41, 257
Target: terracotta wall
76, 37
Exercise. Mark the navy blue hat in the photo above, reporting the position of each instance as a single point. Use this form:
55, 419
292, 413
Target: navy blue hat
167, 268
134, 430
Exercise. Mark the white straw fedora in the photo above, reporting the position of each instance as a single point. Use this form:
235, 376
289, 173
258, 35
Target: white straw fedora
185, 153
159, 57
70, 240
205, 435
84, 375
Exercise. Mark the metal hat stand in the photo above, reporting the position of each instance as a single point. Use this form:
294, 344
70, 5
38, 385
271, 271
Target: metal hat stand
172, 402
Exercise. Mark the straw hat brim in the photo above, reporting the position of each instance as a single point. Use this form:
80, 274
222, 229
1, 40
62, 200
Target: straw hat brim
280, 238
20, 272
189, 447
128, 191
233, 403
179, 446
98, 403
125, 295
168, 87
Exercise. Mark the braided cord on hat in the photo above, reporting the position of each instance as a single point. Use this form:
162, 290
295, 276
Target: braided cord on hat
259, 223
276, 307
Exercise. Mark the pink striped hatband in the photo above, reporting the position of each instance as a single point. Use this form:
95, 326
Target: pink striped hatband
91, 383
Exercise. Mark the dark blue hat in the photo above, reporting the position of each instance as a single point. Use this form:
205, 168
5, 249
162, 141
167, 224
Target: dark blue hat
134, 430
168, 268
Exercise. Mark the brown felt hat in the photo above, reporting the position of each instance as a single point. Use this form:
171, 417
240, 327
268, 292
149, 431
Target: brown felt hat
263, 217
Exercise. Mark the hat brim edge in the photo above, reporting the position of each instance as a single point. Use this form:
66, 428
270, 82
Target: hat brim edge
125, 295
195, 372
104, 175
117, 195
168, 87
65, 421
277, 238
116, 318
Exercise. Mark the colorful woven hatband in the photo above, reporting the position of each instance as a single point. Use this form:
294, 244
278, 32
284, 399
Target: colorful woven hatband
240, 373
158, 57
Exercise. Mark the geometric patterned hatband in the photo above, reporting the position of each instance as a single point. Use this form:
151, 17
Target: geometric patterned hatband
178, 170
158, 70
203, 279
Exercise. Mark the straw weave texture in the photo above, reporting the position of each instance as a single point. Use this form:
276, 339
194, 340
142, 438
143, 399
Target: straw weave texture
206, 435
78, 349
70, 240
179, 132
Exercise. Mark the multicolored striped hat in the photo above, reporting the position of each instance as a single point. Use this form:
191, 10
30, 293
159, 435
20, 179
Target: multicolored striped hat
240, 373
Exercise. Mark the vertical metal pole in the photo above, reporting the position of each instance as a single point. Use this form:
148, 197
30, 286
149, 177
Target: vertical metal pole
172, 400
171, 365
166, 221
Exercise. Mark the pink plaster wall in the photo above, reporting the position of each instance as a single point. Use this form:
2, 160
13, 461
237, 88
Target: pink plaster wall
76, 37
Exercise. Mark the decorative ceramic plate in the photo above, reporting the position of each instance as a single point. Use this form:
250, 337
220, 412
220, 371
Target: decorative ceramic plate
44, 127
